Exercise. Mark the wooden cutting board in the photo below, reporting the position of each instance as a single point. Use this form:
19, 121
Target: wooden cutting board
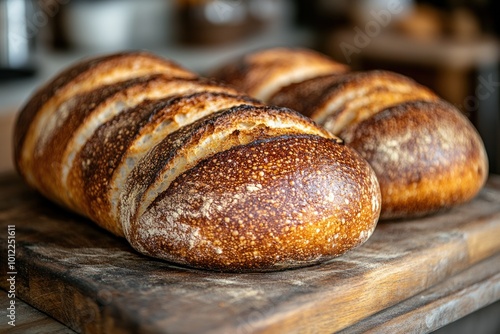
94, 282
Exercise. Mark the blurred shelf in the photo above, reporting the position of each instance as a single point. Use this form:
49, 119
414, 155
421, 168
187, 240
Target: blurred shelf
440, 52
199, 59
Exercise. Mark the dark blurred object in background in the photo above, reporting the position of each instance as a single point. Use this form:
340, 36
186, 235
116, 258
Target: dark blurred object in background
324, 15
217, 22
485, 11
124, 24
212, 22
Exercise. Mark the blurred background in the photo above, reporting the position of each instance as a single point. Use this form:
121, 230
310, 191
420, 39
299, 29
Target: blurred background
451, 46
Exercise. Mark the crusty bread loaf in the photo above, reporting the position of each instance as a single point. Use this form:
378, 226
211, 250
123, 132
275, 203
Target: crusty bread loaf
438, 164
191, 171
52, 104
426, 154
263, 73
305, 199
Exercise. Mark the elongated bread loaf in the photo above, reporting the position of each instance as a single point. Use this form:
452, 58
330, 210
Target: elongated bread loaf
426, 154
190, 170
262, 74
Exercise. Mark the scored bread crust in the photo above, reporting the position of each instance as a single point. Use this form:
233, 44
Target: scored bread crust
302, 96
327, 98
109, 139
264, 72
413, 178
116, 147
57, 146
214, 133
305, 200
81, 77
363, 107
333, 93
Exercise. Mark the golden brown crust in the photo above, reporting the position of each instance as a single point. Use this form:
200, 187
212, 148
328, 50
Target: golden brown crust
376, 100
356, 85
303, 96
92, 176
309, 200
84, 76
377, 112
264, 72
112, 138
51, 147
75, 122
96, 163
212, 134
427, 157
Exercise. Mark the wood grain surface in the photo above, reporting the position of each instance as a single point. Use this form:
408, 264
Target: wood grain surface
94, 282
444, 303
28, 320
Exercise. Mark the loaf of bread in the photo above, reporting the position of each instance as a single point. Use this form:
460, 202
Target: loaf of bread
191, 171
427, 156
262, 74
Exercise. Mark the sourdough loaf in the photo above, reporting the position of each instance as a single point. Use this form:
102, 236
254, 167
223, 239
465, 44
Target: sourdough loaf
426, 154
262, 74
192, 171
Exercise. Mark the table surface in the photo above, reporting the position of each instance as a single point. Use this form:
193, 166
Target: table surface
413, 276
477, 284
29, 320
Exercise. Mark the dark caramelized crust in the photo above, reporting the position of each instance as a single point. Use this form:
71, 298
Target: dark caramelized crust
76, 121
91, 178
50, 148
212, 134
95, 164
305, 199
304, 96
418, 145
358, 85
87, 75
262, 73
426, 156
364, 107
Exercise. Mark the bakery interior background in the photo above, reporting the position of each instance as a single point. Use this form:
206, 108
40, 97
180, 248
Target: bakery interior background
450, 45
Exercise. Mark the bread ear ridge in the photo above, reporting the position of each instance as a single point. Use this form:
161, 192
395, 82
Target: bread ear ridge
261, 74
205, 137
79, 78
366, 106
126, 138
